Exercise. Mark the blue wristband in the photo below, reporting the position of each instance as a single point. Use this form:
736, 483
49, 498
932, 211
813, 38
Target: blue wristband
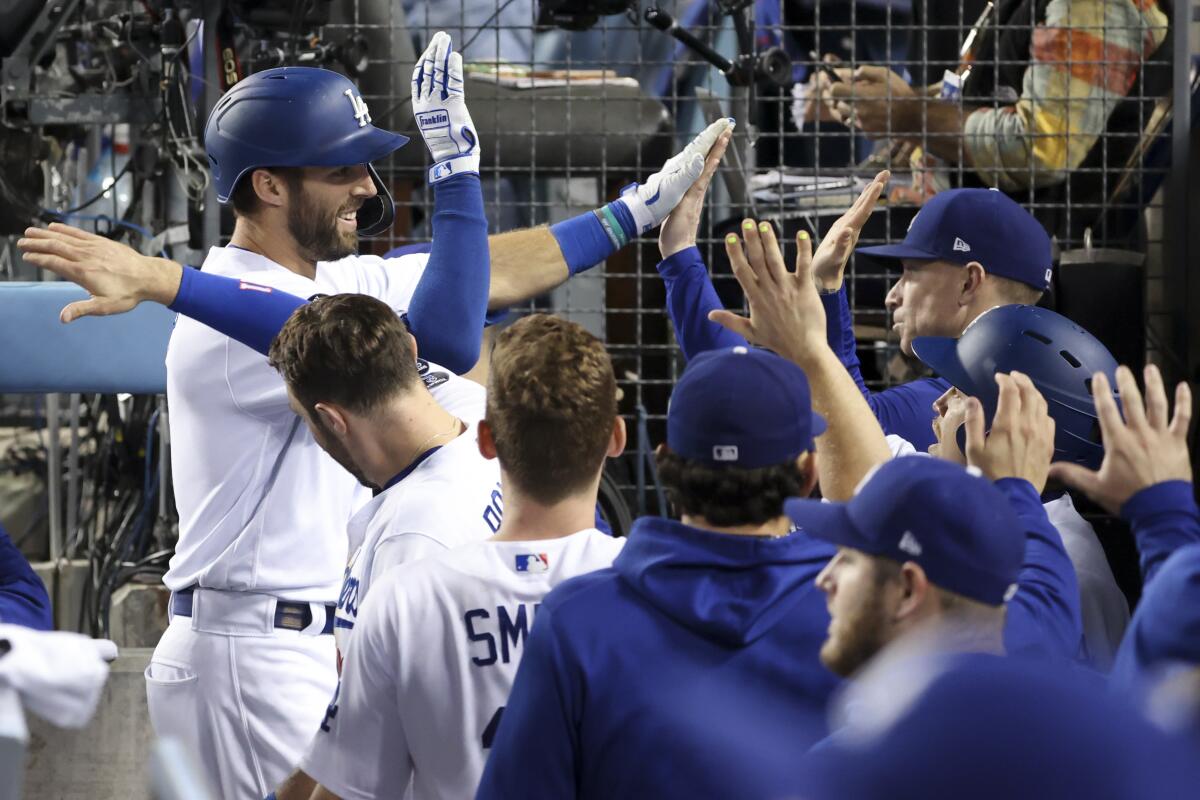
589, 238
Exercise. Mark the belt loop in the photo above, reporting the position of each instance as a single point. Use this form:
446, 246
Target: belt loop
317, 626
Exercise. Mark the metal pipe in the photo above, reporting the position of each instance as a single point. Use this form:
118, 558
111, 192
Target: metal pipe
54, 489
73, 476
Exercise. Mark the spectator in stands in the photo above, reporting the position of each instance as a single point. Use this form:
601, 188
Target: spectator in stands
1052, 106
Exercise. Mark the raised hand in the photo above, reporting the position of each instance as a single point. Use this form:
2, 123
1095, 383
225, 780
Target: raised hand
441, 110
1145, 448
652, 201
829, 262
951, 410
785, 310
115, 275
679, 229
1021, 441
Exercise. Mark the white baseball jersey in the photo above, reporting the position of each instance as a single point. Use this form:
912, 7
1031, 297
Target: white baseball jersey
1102, 603
261, 507
449, 499
432, 662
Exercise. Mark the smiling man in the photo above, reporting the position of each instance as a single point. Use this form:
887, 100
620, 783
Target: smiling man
966, 251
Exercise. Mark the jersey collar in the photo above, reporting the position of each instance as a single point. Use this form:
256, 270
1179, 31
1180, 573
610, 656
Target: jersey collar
404, 473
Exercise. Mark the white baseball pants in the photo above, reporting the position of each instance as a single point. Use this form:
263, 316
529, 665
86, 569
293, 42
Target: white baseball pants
244, 697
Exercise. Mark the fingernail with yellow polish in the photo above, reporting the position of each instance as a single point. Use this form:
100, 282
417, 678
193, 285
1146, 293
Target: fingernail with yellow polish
748, 224
764, 226
731, 239
803, 234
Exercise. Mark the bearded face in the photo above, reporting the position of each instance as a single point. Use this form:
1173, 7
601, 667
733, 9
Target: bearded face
857, 598
321, 214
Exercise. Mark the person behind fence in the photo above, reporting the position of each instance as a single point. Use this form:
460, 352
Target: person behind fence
1051, 109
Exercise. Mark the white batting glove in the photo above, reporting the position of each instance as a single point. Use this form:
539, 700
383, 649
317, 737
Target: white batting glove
652, 201
441, 111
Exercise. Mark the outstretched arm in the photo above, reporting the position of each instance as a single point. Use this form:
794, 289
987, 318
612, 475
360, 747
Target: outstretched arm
690, 292
786, 316
527, 263
1146, 475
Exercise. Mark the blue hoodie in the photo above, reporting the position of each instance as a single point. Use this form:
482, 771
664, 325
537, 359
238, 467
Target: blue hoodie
632, 676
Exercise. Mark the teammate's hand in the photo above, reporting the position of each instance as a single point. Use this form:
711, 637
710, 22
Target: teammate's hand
652, 201
441, 110
1139, 451
829, 262
1021, 441
678, 231
115, 275
951, 410
786, 314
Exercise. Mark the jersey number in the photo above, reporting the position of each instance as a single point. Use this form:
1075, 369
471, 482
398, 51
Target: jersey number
489, 733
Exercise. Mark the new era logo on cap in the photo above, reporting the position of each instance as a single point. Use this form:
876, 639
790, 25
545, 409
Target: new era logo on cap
909, 544
961, 246
532, 562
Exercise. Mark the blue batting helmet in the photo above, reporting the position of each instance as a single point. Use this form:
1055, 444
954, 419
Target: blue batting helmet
1058, 356
298, 117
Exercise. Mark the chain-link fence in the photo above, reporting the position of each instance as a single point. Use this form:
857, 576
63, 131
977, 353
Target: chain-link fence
1066, 105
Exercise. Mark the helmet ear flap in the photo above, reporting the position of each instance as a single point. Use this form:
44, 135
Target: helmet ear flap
379, 212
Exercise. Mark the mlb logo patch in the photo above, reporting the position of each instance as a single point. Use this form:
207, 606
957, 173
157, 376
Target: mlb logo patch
725, 452
532, 562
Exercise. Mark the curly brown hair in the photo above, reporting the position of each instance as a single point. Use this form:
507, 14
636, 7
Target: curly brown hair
727, 496
348, 349
551, 406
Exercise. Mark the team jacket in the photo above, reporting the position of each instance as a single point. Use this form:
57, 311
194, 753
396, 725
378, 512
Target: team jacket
1165, 630
631, 674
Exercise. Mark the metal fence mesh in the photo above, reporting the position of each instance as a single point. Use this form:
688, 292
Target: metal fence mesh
1064, 104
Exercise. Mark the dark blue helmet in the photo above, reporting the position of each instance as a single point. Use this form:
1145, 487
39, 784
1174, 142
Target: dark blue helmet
1058, 356
298, 117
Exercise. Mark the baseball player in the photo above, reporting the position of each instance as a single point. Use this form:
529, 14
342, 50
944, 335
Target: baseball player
926, 545
719, 604
692, 302
437, 644
1059, 358
262, 509
787, 316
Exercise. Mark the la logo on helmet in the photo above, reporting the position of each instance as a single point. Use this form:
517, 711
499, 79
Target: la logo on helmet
360, 108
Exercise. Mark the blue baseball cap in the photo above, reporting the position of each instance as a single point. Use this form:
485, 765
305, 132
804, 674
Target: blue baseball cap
742, 407
984, 225
948, 519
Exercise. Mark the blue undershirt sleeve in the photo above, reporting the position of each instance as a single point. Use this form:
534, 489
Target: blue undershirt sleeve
905, 410
241, 310
448, 307
1044, 617
1163, 518
23, 597
690, 296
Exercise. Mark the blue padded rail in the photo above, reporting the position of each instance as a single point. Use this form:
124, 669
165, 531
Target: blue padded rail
122, 353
